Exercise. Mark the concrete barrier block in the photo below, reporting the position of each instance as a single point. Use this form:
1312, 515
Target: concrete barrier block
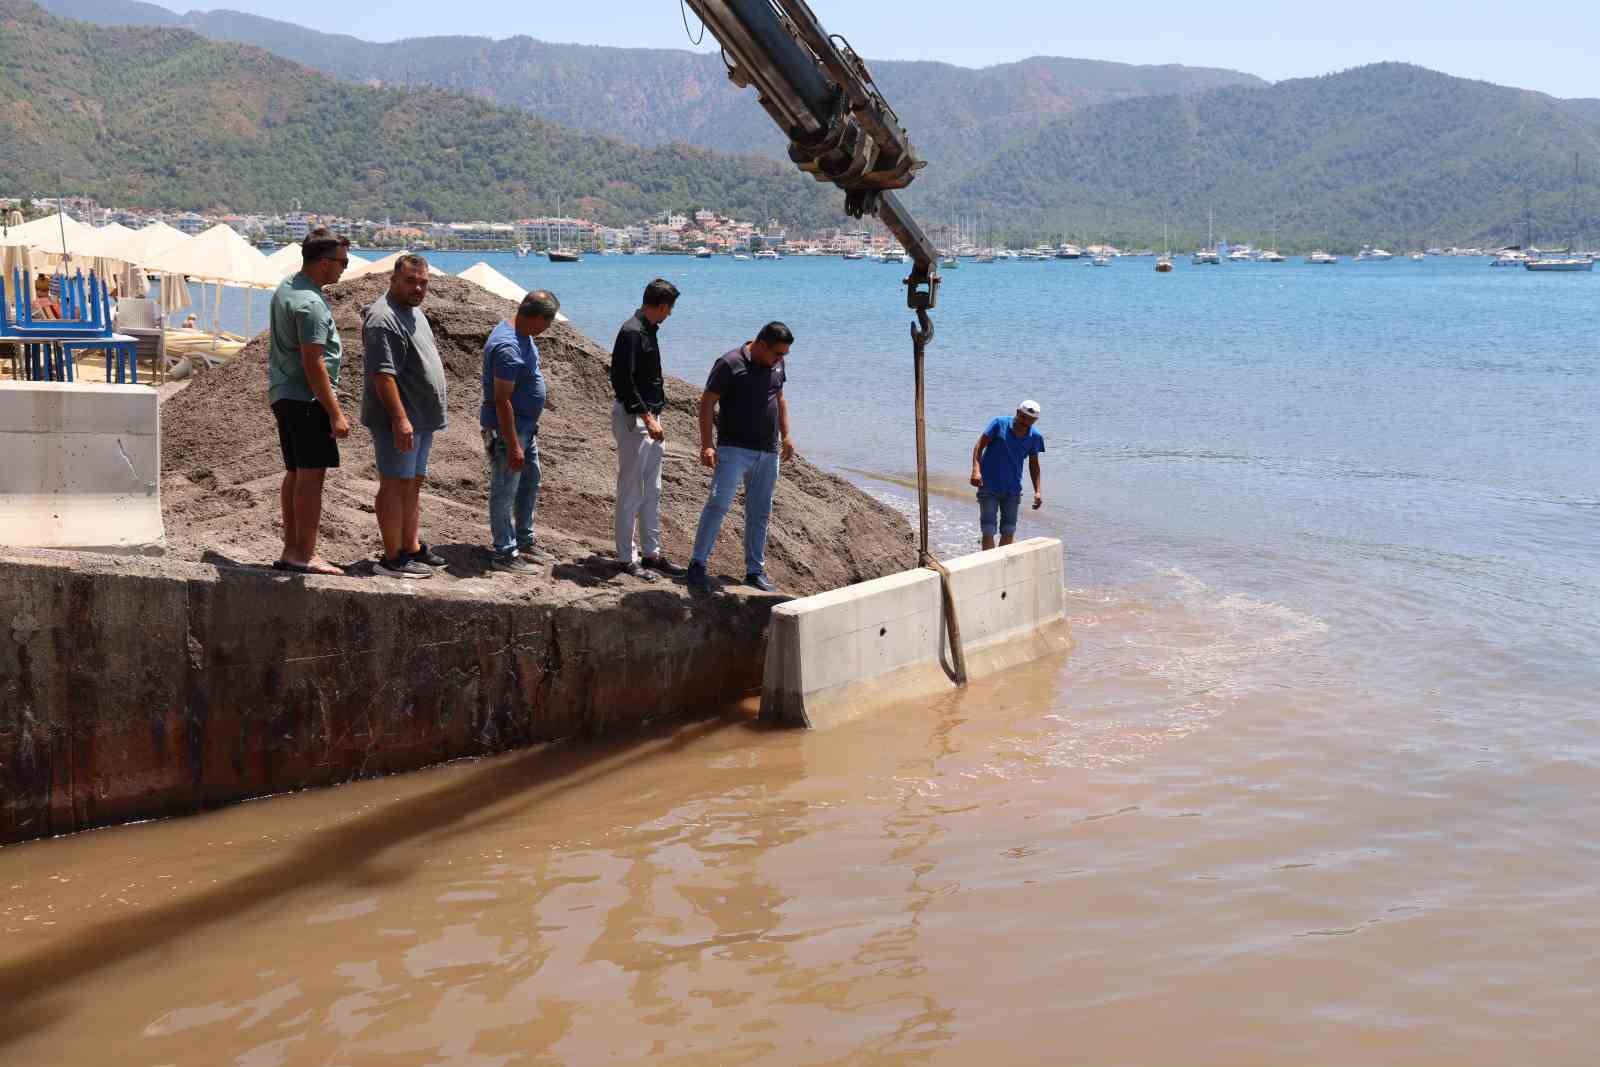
82, 467
836, 655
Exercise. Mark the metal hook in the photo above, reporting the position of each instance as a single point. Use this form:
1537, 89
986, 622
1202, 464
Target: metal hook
924, 335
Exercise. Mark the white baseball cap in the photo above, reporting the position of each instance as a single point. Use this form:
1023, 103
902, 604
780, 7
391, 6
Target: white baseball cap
1029, 408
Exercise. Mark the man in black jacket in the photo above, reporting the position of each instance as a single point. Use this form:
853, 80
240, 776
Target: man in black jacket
636, 424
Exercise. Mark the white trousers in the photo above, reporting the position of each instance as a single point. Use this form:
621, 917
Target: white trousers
638, 485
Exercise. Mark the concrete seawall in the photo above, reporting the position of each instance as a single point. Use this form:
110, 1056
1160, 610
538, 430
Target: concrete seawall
133, 688
840, 654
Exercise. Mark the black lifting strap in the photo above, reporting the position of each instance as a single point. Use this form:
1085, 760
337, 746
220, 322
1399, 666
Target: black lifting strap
921, 335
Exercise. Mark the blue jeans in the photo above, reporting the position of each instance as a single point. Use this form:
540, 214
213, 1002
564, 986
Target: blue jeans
393, 463
512, 494
997, 510
759, 473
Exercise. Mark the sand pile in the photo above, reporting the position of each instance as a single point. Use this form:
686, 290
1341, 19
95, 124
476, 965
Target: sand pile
222, 467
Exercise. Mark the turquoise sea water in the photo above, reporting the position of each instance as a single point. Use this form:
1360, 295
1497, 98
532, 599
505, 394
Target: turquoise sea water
1318, 784
1401, 452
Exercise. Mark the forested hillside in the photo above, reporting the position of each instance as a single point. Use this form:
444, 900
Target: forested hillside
1389, 153
162, 118
958, 118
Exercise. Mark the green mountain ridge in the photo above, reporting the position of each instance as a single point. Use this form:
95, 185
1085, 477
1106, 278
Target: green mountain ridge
1389, 154
158, 118
958, 117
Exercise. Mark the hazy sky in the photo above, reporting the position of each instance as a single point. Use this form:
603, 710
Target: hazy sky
1551, 45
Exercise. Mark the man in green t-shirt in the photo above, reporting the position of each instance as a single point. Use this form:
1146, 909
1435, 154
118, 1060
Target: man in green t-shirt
302, 373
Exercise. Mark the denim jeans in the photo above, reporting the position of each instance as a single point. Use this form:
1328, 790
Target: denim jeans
512, 494
759, 473
997, 512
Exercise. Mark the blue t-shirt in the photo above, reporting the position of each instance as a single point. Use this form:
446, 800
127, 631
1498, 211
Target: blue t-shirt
1002, 462
511, 358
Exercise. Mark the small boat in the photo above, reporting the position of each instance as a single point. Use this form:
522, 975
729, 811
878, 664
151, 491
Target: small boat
1565, 263
1417, 257
701, 253
768, 253
1272, 255
563, 255
1069, 251
1102, 260
854, 255
950, 262
1323, 258
1509, 257
522, 251
1208, 256
894, 255
1369, 252
740, 255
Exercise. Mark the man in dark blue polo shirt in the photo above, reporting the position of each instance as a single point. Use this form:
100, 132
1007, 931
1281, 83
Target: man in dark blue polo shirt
752, 418
997, 461
513, 400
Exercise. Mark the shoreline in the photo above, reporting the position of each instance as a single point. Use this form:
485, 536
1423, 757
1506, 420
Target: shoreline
135, 687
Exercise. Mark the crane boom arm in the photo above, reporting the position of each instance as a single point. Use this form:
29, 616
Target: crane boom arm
840, 128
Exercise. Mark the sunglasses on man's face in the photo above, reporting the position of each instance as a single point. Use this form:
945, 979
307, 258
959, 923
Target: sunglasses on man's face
342, 262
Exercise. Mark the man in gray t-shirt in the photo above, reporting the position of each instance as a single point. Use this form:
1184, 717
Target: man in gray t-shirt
403, 404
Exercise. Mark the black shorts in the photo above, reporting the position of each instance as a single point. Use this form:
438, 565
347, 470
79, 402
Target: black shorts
306, 435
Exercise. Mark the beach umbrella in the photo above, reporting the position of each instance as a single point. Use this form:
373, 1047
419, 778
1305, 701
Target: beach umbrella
63, 237
174, 294
382, 266
220, 256
486, 277
14, 258
141, 246
286, 261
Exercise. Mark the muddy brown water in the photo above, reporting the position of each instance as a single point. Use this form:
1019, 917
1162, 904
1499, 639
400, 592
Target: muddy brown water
1060, 865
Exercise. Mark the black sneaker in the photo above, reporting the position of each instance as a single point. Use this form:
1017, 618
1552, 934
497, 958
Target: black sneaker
760, 580
427, 556
664, 565
517, 564
637, 569
402, 567
533, 552
698, 579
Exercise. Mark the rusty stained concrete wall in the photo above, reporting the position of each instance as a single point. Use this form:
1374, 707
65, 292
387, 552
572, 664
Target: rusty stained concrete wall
132, 688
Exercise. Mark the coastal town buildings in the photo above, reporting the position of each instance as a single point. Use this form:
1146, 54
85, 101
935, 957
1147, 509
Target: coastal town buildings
667, 231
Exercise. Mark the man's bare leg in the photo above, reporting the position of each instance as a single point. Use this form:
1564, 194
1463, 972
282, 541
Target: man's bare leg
308, 521
391, 506
286, 497
411, 529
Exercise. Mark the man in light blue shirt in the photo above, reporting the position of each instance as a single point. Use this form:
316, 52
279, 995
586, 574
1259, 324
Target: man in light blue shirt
513, 400
997, 461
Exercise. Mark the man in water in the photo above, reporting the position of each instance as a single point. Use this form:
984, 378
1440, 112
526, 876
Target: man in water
636, 425
403, 404
302, 372
752, 419
997, 471
513, 400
